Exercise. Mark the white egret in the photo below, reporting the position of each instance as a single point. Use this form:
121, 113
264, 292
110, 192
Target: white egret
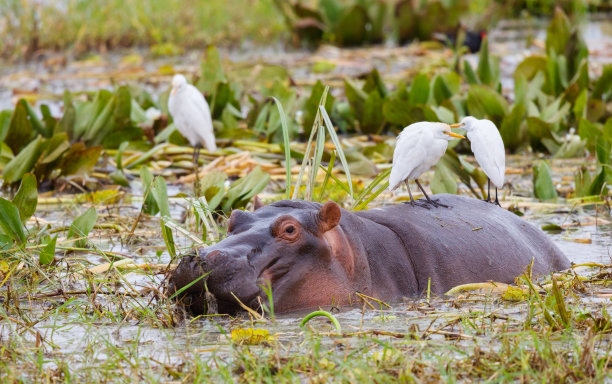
488, 148
418, 147
191, 116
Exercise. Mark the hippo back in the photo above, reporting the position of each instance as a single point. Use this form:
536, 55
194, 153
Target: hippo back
471, 241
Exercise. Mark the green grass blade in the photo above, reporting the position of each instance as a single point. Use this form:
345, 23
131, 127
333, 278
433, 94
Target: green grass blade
336, 141
331, 317
316, 162
315, 127
334, 178
285, 128
328, 172
186, 287
373, 184
367, 201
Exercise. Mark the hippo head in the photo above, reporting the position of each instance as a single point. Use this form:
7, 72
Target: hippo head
296, 247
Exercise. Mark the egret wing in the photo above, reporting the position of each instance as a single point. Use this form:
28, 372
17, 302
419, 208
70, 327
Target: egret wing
488, 149
201, 123
408, 155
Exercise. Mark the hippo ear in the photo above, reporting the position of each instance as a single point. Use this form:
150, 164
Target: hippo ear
236, 218
329, 216
257, 203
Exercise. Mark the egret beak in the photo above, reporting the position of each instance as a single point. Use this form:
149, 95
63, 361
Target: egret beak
453, 134
173, 91
459, 125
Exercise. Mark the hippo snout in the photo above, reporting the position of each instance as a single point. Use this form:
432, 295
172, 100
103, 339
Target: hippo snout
229, 275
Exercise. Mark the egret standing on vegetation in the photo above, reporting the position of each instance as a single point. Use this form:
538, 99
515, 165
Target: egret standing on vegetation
488, 148
191, 116
418, 147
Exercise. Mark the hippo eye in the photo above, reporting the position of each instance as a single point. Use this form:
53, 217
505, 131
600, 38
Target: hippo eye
286, 228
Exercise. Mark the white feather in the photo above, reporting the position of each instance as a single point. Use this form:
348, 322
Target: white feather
191, 115
488, 148
419, 146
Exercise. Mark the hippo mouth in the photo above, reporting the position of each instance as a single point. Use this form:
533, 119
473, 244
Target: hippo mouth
231, 306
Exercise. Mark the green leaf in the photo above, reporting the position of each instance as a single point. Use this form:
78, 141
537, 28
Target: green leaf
223, 97
602, 87
591, 132
68, 120
432, 12
121, 128
79, 159
470, 75
443, 180
24, 161
118, 177
47, 254
511, 128
48, 119
168, 239
36, 123
529, 67
375, 83
483, 102
20, 128
160, 193
602, 148
149, 205
538, 129
5, 121
406, 20
212, 71
419, 90
351, 28
571, 148
607, 129
241, 192
10, 222
543, 187
582, 182
26, 197
372, 120
213, 188
558, 32
92, 116
81, 226
598, 184
485, 70
355, 96
445, 86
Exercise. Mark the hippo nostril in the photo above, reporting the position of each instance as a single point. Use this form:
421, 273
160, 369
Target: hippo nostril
216, 254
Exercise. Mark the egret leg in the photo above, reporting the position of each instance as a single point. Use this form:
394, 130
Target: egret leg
196, 169
410, 193
427, 197
488, 199
496, 200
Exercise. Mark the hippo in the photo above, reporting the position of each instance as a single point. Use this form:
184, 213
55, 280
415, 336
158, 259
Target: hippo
315, 255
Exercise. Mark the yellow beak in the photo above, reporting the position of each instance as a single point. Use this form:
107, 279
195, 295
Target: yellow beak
457, 125
173, 91
453, 134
